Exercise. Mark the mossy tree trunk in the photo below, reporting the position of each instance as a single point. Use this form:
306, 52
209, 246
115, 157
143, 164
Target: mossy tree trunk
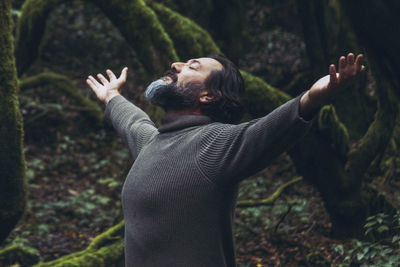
335, 170
12, 162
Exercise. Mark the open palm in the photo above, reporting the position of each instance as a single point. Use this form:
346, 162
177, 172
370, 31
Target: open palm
329, 85
107, 89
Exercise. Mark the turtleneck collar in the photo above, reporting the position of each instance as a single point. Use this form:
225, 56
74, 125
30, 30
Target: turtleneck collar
174, 122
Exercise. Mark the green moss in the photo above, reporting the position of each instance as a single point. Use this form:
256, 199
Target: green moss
269, 200
31, 27
262, 97
142, 30
332, 129
48, 80
12, 162
106, 250
190, 39
137, 23
379, 133
25, 256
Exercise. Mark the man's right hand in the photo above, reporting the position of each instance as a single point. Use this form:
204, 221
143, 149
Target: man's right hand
107, 89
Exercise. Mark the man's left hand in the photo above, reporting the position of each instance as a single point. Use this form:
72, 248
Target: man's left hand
330, 85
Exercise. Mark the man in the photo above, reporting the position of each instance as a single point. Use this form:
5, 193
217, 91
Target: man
179, 196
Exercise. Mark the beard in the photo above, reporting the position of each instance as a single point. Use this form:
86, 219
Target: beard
170, 96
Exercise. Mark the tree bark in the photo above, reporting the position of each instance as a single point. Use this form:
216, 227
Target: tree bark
12, 162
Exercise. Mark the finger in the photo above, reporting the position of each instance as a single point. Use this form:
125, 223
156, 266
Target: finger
350, 59
91, 85
123, 75
332, 74
342, 64
94, 81
359, 61
111, 75
102, 78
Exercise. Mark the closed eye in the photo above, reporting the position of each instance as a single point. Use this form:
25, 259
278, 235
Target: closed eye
194, 64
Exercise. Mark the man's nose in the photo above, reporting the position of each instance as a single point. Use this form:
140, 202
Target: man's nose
177, 66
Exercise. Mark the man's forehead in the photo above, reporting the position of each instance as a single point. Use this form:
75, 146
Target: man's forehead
209, 63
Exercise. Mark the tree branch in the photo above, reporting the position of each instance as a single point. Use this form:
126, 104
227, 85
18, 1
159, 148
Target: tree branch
190, 40
107, 249
142, 30
269, 200
63, 84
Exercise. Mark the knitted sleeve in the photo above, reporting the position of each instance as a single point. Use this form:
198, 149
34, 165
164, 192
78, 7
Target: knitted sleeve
230, 153
131, 123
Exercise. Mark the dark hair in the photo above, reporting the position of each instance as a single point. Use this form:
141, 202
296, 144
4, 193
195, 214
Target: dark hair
227, 87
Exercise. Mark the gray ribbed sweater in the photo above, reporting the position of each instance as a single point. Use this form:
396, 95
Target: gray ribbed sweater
179, 196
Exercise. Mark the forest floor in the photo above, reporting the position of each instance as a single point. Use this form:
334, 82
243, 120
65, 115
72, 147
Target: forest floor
75, 170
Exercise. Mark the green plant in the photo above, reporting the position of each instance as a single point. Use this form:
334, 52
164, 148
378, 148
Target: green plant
384, 251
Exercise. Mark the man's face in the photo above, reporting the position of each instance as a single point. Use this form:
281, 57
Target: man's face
182, 85
195, 70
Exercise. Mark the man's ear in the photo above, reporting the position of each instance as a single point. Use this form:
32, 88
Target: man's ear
206, 97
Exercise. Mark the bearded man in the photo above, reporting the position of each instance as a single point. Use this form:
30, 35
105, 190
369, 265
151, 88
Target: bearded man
179, 197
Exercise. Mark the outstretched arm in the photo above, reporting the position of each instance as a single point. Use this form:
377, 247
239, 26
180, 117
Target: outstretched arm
132, 124
330, 85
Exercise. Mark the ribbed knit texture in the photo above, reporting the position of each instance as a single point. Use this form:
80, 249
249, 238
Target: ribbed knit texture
179, 196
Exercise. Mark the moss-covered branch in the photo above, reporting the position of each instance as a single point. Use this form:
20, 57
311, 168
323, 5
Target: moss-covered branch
18, 254
31, 28
269, 200
142, 30
376, 139
190, 40
262, 97
106, 250
12, 162
47, 80
334, 131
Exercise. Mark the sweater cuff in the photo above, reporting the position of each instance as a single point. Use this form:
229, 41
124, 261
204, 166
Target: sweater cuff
112, 103
305, 120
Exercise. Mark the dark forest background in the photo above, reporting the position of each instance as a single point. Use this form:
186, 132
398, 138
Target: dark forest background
332, 200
